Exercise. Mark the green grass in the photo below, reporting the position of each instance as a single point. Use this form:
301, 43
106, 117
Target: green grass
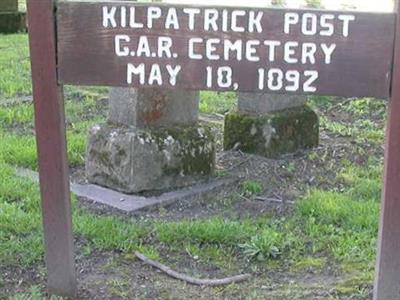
18, 115
251, 187
366, 106
16, 128
15, 65
20, 226
362, 112
109, 233
341, 225
21, 231
211, 231
214, 102
20, 150
34, 293
363, 131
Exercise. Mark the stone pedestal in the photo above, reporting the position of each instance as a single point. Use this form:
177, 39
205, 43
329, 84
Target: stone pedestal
271, 125
152, 141
11, 20
260, 104
153, 107
8, 5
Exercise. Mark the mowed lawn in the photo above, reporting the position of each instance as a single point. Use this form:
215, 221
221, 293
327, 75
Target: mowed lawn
326, 231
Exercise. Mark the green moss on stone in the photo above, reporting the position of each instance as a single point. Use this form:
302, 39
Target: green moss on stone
12, 22
190, 148
273, 134
197, 148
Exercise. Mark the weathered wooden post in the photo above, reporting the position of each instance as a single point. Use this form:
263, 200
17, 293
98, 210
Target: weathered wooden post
52, 154
387, 277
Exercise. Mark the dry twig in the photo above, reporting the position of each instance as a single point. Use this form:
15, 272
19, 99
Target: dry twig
273, 200
239, 163
189, 279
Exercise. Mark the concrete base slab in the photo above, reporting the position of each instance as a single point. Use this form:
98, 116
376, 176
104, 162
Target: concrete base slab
12, 22
135, 203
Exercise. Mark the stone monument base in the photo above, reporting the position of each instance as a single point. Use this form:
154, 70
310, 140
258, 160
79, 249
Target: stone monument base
134, 160
272, 134
12, 22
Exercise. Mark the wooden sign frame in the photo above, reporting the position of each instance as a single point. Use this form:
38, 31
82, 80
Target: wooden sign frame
302, 51
47, 80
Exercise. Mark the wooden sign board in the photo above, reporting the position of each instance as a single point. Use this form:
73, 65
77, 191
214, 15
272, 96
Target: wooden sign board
239, 49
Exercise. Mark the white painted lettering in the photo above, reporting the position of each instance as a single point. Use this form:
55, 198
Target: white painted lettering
230, 47
224, 75
210, 19
346, 21
275, 79
172, 19
255, 21
164, 47
261, 78
328, 28
109, 17
234, 19
191, 12
290, 19
123, 16
251, 50
328, 50
312, 77
211, 49
308, 53
209, 77
132, 20
289, 52
153, 13
133, 70
309, 24
293, 77
173, 73
271, 49
143, 48
155, 75
121, 51
224, 20
191, 52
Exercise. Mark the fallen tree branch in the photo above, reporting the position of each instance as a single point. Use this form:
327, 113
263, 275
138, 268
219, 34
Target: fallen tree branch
189, 279
273, 200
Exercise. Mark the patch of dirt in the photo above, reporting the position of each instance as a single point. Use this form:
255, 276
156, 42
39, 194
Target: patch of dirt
111, 275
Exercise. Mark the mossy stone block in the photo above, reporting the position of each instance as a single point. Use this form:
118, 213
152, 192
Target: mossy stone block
272, 134
12, 22
8, 5
134, 160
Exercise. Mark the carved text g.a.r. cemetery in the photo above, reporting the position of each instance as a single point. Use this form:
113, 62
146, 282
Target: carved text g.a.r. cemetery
259, 50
